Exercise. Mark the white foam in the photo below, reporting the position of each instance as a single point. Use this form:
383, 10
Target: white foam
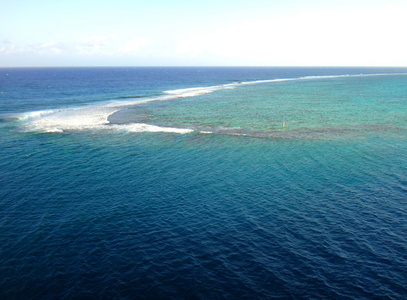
317, 77
96, 116
192, 92
267, 81
88, 118
54, 130
69, 119
139, 127
118, 104
34, 114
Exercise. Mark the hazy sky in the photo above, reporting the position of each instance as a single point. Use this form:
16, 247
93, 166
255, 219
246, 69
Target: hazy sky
204, 32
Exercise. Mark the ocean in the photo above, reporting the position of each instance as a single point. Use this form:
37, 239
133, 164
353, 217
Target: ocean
203, 183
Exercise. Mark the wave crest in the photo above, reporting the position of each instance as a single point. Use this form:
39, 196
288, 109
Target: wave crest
96, 117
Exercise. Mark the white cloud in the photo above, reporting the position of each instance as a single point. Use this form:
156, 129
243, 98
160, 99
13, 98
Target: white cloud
319, 37
50, 47
98, 44
134, 46
10, 49
45, 48
364, 34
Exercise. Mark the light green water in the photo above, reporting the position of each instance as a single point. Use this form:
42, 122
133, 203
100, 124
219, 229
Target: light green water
330, 108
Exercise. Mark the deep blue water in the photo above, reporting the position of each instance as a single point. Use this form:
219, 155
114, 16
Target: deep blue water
244, 212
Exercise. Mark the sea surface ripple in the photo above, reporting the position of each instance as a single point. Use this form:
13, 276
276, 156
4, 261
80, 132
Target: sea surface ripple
237, 207
203, 217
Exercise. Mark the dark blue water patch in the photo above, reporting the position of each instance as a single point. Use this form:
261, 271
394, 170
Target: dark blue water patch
153, 215
169, 216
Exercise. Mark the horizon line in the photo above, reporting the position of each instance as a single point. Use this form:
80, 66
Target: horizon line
202, 66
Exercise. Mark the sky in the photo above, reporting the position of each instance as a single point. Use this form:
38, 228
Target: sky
46, 33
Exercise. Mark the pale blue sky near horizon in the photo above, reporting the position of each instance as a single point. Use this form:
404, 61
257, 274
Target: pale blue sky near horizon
203, 33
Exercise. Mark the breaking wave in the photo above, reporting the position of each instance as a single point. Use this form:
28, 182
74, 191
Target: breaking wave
96, 117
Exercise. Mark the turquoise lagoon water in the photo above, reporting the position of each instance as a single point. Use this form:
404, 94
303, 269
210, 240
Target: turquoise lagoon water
203, 183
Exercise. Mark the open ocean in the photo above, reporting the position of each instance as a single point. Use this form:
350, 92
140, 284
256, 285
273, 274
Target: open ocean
203, 183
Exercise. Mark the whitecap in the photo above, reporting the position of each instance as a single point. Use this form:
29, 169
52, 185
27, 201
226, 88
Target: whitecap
192, 92
87, 118
54, 130
69, 119
34, 114
139, 127
95, 117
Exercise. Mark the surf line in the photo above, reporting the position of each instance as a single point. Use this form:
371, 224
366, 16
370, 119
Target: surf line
95, 116
198, 91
